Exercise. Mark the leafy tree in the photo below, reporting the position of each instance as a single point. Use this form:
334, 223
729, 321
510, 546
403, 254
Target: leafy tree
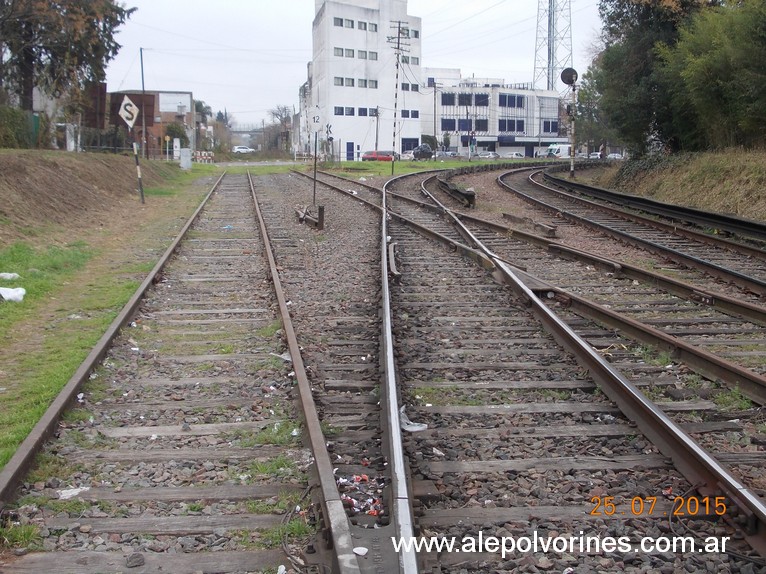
203, 110
716, 75
430, 140
57, 45
177, 130
592, 125
629, 76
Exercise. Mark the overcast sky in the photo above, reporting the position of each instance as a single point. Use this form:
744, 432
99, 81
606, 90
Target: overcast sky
249, 56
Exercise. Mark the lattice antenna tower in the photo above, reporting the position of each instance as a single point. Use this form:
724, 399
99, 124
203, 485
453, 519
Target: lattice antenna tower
553, 48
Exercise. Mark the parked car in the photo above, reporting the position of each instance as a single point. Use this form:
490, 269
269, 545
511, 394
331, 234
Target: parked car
423, 151
242, 149
489, 155
614, 156
380, 156
407, 155
594, 155
514, 155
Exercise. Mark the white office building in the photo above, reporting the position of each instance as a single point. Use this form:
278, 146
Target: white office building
356, 98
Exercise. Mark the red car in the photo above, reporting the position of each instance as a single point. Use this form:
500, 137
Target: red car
380, 156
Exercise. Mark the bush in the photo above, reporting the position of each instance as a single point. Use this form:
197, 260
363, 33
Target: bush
15, 128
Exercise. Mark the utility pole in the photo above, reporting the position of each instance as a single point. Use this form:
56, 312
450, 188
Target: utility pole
143, 107
398, 50
377, 125
436, 139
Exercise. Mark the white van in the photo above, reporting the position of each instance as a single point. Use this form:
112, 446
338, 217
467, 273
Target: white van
560, 151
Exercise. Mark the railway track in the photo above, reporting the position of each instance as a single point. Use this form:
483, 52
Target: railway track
739, 263
459, 299
527, 436
182, 451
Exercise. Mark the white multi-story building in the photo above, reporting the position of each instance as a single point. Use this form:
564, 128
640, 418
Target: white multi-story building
357, 97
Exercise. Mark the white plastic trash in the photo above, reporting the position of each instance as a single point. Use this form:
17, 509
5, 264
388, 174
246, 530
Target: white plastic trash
15, 294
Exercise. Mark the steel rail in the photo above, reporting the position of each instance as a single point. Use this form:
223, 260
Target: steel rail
718, 301
14, 471
403, 519
401, 508
337, 521
745, 281
690, 459
732, 224
752, 384
692, 234
697, 466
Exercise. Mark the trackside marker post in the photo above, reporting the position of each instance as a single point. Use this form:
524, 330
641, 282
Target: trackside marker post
129, 112
138, 171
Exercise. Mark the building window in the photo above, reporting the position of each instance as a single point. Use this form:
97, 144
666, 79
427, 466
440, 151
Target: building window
501, 126
338, 51
362, 111
338, 81
361, 83
373, 84
373, 27
338, 111
520, 126
415, 61
337, 22
520, 101
482, 125
361, 54
349, 53
372, 55
414, 88
405, 113
373, 111
349, 112
482, 99
349, 82
507, 101
551, 127
362, 26
464, 99
405, 87
405, 59
349, 23
414, 34
448, 125
414, 114
448, 99
464, 125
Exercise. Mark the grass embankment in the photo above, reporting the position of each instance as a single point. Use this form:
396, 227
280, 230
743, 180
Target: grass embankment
730, 181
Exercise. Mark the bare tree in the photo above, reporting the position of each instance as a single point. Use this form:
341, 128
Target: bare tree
282, 116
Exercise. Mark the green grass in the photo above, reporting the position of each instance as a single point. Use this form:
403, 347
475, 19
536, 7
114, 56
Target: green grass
279, 505
277, 466
291, 531
19, 536
269, 330
48, 465
41, 271
281, 433
732, 400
